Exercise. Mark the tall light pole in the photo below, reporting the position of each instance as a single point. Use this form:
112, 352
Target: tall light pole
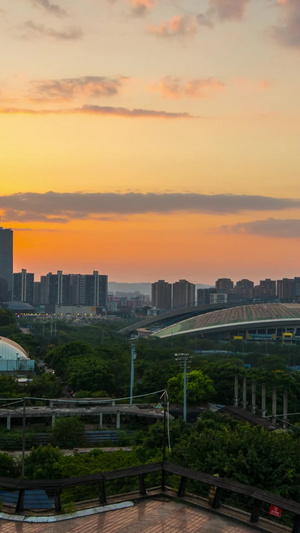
23, 438
164, 396
133, 357
183, 357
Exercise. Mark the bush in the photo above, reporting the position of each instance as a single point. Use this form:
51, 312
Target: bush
68, 432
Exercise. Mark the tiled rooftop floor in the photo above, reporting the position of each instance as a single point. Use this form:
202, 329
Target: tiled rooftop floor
151, 516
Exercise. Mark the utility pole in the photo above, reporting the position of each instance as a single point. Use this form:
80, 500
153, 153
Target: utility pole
133, 357
183, 358
23, 438
164, 397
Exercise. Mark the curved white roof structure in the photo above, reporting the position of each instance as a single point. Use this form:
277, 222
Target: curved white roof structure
237, 318
10, 350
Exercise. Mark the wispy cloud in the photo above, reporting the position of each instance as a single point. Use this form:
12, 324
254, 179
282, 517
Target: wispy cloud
172, 87
287, 33
97, 110
54, 9
256, 86
272, 227
179, 26
34, 30
205, 19
141, 7
70, 88
223, 10
228, 9
62, 207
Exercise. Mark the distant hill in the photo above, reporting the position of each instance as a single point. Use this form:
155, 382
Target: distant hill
143, 288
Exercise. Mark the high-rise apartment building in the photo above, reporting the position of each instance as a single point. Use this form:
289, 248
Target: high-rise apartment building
96, 289
203, 295
266, 290
22, 286
72, 289
6, 262
183, 293
297, 288
224, 285
285, 289
161, 294
244, 289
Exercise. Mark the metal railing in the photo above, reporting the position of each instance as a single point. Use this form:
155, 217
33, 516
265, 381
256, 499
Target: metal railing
46, 496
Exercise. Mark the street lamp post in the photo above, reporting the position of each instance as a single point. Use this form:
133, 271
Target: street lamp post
183, 357
23, 437
133, 357
164, 396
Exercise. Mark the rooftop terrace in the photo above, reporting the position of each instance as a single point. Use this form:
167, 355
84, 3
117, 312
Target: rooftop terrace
151, 516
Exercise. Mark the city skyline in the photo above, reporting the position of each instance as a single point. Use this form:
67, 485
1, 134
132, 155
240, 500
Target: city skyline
152, 139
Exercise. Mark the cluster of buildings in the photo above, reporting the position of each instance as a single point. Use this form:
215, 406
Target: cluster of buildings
165, 295
55, 293
184, 294
128, 303
60, 293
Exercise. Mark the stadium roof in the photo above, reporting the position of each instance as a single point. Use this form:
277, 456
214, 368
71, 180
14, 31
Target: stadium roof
19, 306
242, 317
11, 350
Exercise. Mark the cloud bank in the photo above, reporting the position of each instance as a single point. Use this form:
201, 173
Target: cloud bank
196, 88
288, 32
62, 207
179, 26
223, 10
141, 7
34, 30
97, 110
279, 228
67, 89
228, 9
53, 9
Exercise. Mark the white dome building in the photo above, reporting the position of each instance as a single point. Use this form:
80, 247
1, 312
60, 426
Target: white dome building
13, 357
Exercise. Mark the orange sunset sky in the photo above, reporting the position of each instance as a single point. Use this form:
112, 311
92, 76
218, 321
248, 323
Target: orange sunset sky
152, 139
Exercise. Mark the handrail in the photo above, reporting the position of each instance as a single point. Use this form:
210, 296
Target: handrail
234, 486
57, 485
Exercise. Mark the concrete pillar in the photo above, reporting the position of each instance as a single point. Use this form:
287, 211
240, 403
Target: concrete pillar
51, 403
274, 405
53, 420
244, 393
236, 391
253, 390
8, 421
101, 420
285, 409
113, 403
118, 420
263, 400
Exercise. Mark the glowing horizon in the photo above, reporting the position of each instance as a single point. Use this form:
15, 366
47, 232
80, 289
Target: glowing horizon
152, 140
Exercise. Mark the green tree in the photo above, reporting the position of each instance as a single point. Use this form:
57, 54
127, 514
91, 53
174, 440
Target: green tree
7, 465
89, 374
68, 432
8, 386
45, 386
200, 388
7, 318
272, 362
59, 357
44, 462
247, 454
222, 373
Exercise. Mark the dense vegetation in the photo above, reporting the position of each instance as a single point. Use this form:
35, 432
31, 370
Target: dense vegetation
217, 444
93, 360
